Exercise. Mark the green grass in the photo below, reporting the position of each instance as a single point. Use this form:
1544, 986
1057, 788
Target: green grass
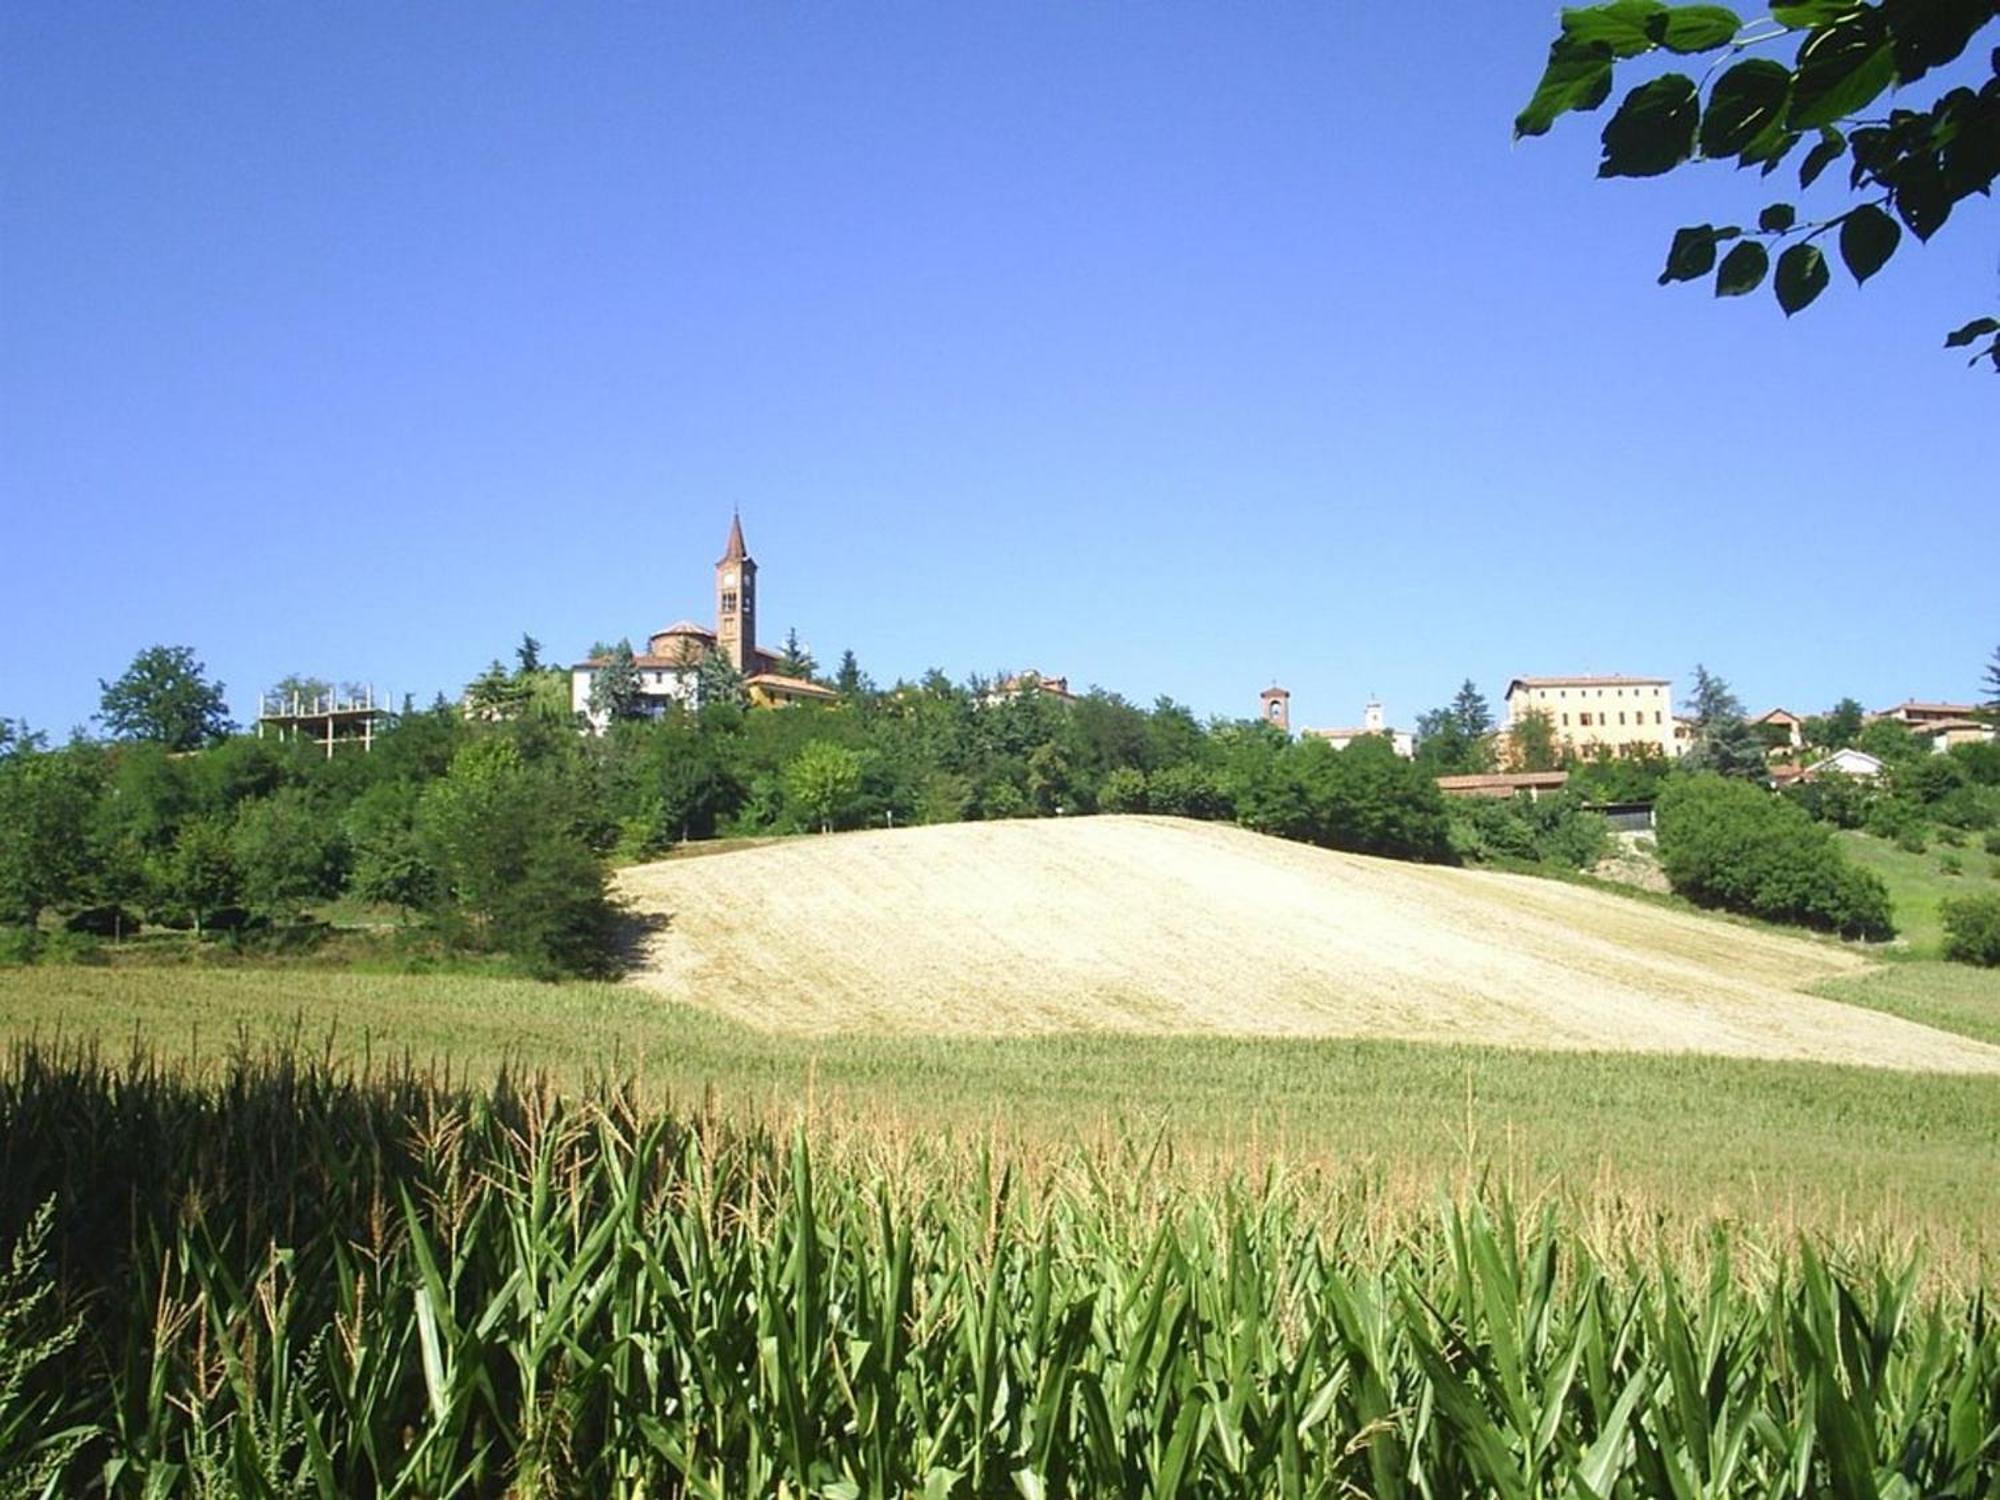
1951, 997
1917, 882
1618, 1135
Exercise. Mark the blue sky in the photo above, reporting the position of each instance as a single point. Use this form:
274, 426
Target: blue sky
1177, 348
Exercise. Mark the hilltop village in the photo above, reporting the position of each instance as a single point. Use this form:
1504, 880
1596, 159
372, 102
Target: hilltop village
1550, 721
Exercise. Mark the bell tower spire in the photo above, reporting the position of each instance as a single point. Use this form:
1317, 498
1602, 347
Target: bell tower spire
736, 602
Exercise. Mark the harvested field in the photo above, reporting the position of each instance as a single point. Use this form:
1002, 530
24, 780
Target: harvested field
1164, 926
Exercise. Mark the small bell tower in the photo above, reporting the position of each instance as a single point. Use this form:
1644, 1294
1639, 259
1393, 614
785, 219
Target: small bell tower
1276, 708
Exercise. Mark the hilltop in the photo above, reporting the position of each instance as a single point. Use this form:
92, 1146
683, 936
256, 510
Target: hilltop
1158, 925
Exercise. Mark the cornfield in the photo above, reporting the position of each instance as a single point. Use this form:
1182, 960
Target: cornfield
290, 1279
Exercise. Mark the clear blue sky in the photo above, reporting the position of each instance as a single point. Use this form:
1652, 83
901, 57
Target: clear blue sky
1177, 348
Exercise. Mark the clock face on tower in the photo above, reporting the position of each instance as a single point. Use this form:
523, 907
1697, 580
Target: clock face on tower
729, 579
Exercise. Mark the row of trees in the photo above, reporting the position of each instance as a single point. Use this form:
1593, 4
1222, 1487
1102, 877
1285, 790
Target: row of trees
494, 821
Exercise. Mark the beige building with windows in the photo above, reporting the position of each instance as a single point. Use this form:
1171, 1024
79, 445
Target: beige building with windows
1625, 715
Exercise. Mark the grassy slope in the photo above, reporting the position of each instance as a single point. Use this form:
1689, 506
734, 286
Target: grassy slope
1623, 1136
1917, 883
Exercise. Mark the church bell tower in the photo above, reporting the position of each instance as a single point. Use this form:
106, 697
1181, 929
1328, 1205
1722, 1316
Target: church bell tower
736, 603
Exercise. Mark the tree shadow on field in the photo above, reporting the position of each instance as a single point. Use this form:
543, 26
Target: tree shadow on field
632, 935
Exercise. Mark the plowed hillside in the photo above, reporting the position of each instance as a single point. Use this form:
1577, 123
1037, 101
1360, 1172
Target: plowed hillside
1160, 925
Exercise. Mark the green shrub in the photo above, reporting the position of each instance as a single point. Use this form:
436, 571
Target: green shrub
1950, 837
1186, 791
17, 946
1950, 864
1911, 841
1555, 831
65, 947
1733, 845
1972, 929
1993, 843
1122, 791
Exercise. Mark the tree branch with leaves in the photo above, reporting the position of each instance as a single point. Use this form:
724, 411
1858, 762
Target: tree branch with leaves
1822, 69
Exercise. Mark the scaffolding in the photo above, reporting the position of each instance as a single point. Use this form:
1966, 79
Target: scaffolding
328, 720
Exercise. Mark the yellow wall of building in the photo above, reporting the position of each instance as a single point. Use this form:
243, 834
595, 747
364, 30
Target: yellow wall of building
1622, 717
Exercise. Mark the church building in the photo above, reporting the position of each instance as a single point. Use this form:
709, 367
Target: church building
670, 666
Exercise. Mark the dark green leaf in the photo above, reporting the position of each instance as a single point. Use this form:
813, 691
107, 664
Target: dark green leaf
1771, 148
1695, 28
1692, 254
1930, 33
1624, 25
1922, 200
1578, 77
1802, 276
1831, 143
1653, 131
1977, 328
1742, 270
1868, 238
1777, 218
1803, 15
1841, 68
1745, 101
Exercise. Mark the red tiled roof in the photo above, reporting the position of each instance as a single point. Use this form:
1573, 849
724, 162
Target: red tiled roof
1613, 681
1520, 780
778, 682
1910, 705
686, 627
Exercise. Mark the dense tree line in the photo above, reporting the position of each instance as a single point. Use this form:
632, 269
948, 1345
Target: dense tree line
494, 821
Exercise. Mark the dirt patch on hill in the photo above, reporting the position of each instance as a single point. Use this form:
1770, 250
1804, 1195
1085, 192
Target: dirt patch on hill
1159, 925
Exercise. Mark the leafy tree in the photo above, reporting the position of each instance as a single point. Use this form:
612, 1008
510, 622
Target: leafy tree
197, 877
1532, 742
1890, 741
1724, 742
388, 862
1837, 728
615, 685
47, 803
1731, 844
1049, 787
504, 834
821, 782
1470, 712
1369, 800
1453, 740
1557, 832
165, 699
795, 660
1826, 63
287, 851
16, 738
1186, 790
527, 656
718, 684
1609, 777
1992, 704
1122, 791
297, 686
1972, 929
496, 695
849, 679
